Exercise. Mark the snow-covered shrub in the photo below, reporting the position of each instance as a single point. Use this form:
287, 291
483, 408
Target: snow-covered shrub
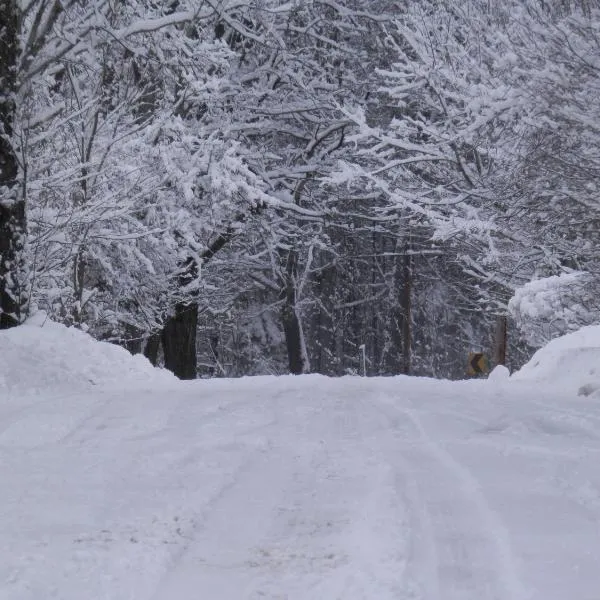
546, 308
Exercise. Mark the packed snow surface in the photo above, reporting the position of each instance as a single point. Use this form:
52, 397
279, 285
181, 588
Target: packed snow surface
301, 488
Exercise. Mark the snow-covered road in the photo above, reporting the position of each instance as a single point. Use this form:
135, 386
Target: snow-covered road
301, 489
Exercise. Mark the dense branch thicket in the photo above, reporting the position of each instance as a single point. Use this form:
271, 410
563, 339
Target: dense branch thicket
266, 187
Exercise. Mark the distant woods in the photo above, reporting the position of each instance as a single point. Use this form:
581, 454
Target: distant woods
251, 188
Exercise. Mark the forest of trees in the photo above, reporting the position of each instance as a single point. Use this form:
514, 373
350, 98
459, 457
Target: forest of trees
267, 186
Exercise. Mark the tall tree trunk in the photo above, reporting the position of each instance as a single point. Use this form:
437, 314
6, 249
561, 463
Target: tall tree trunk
325, 339
152, 347
13, 223
179, 341
292, 328
406, 303
293, 339
180, 329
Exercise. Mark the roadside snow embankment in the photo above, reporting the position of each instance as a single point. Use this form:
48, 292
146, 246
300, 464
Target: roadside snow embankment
570, 363
41, 355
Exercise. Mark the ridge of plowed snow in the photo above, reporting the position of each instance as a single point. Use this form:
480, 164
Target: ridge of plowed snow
570, 362
42, 355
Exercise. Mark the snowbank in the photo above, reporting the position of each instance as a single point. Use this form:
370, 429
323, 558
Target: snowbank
500, 373
570, 362
42, 355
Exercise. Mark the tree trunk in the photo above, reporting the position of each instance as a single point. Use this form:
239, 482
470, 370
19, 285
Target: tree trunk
180, 330
13, 223
293, 340
406, 303
152, 347
292, 328
324, 346
179, 341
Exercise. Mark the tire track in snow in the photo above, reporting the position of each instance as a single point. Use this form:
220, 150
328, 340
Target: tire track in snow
459, 536
316, 515
184, 563
420, 578
180, 577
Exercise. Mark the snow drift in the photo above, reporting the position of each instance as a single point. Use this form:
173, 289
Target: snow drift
570, 362
41, 355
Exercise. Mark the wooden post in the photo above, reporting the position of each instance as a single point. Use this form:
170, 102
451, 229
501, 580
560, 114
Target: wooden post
500, 340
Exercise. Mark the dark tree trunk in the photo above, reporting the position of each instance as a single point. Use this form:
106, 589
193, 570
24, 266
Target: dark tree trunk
500, 340
394, 359
13, 223
292, 327
13, 279
152, 347
293, 340
406, 303
180, 330
179, 341
324, 347
291, 324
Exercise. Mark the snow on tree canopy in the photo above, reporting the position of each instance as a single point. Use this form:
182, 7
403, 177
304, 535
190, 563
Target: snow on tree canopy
552, 306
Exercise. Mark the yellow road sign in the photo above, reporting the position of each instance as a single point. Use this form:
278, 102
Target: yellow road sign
478, 363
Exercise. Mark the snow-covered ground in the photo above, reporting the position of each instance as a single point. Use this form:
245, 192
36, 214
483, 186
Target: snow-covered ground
137, 486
